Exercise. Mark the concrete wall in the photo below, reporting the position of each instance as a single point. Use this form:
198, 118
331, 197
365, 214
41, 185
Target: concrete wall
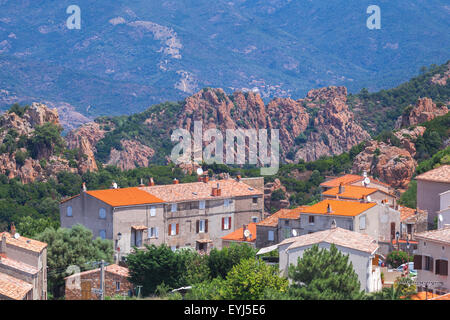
361, 261
262, 236
428, 197
436, 251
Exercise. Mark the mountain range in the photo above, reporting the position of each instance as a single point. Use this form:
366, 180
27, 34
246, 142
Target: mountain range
130, 55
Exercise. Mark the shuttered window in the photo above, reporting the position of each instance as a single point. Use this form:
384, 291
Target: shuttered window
226, 223
417, 262
173, 229
442, 267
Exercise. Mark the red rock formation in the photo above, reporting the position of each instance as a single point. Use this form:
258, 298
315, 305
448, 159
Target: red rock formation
269, 188
134, 154
424, 110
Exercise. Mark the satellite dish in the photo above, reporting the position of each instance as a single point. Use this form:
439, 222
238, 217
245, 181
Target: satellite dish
16, 235
441, 218
366, 181
440, 221
294, 233
247, 233
199, 171
369, 199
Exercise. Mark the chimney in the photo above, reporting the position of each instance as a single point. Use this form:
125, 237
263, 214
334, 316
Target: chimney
13, 229
341, 188
175, 181
216, 191
84, 187
141, 184
113, 185
238, 178
328, 208
205, 178
151, 182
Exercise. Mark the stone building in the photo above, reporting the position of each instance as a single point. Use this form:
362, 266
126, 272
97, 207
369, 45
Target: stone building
23, 267
83, 285
246, 234
180, 215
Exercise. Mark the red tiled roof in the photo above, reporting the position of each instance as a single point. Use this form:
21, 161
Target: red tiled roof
337, 236
13, 288
238, 235
124, 196
345, 179
23, 242
18, 265
439, 174
350, 192
272, 220
113, 268
442, 297
202, 190
423, 295
339, 207
439, 235
408, 213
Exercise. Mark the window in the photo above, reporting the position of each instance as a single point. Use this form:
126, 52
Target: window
152, 211
255, 200
254, 219
153, 232
271, 235
201, 204
202, 226
226, 202
174, 207
442, 267
103, 234
311, 219
173, 229
362, 222
226, 223
69, 211
173, 248
102, 213
286, 222
117, 285
428, 263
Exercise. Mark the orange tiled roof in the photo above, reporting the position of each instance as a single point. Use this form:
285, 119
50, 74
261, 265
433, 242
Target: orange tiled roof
350, 192
201, 190
113, 268
339, 207
238, 235
423, 295
18, 265
408, 213
337, 236
13, 288
124, 196
345, 179
440, 174
442, 297
272, 220
23, 242
439, 235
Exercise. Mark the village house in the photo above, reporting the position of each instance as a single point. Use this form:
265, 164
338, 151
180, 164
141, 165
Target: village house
355, 180
444, 212
246, 234
356, 193
429, 187
361, 249
23, 267
81, 286
431, 261
192, 215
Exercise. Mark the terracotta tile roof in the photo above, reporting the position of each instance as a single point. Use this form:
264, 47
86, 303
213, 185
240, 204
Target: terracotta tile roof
13, 288
202, 190
339, 207
23, 242
69, 198
18, 265
338, 236
345, 179
440, 174
272, 220
439, 235
113, 268
139, 227
350, 192
408, 214
124, 196
443, 297
423, 295
238, 235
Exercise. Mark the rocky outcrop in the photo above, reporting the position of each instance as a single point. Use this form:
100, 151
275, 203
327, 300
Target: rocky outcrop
133, 154
271, 204
395, 165
424, 110
333, 130
441, 79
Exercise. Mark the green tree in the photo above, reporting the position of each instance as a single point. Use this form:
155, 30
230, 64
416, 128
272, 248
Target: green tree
46, 139
221, 261
324, 275
74, 246
29, 227
397, 258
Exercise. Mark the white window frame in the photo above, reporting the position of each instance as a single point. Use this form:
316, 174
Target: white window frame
271, 235
173, 207
202, 223
226, 223
255, 219
100, 213
362, 222
173, 229
69, 209
153, 233
202, 204
152, 211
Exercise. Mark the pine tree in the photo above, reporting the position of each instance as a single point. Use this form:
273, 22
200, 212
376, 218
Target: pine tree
324, 275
